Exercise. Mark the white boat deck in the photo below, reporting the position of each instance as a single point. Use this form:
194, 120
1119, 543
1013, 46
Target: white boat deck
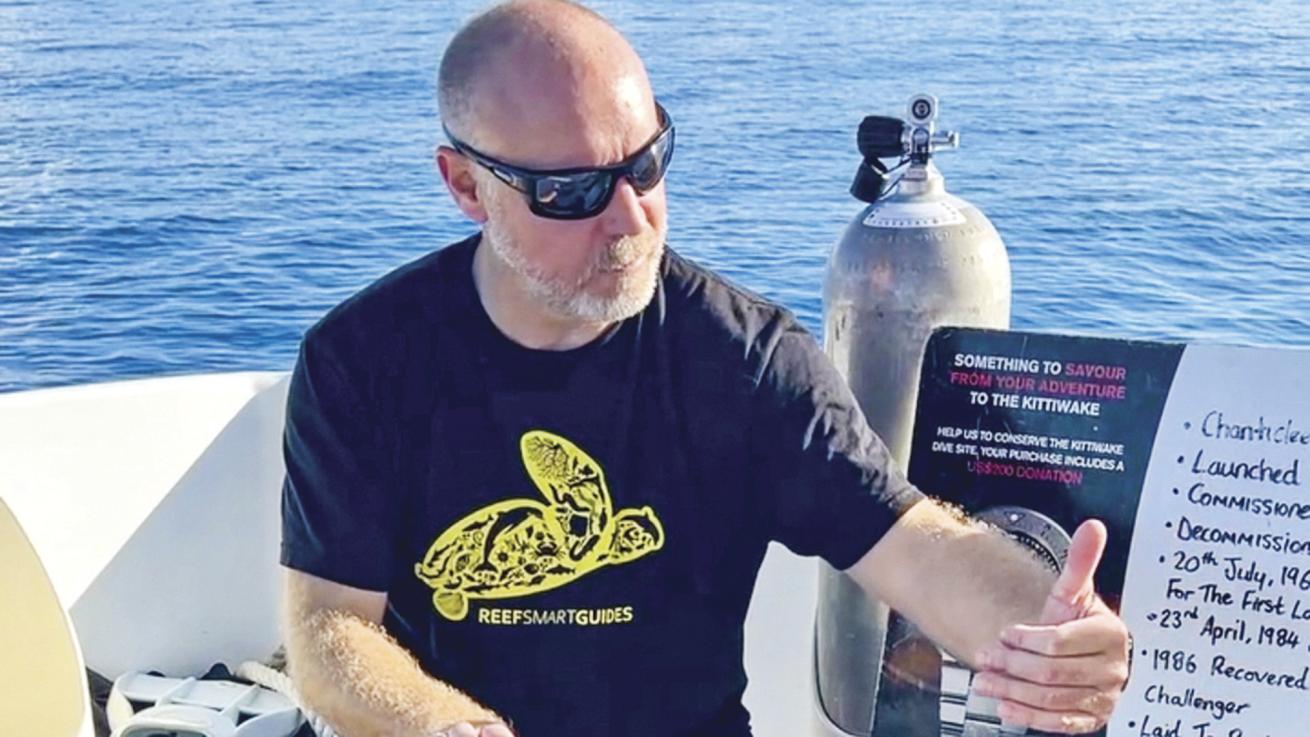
154, 507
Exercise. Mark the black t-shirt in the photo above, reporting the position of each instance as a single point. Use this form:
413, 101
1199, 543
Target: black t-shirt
572, 537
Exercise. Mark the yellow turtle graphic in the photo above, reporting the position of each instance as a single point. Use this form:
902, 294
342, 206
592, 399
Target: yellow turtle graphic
518, 547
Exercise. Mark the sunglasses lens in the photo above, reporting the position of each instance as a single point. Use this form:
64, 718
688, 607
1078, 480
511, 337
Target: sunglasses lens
648, 169
573, 194
582, 194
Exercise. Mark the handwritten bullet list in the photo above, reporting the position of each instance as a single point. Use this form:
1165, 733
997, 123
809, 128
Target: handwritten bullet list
1218, 585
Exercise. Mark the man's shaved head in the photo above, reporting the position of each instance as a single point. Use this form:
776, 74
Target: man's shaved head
556, 48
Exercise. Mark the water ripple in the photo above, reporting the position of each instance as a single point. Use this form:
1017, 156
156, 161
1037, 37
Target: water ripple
187, 186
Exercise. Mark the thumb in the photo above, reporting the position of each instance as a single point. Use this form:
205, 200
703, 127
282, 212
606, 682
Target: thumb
1074, 591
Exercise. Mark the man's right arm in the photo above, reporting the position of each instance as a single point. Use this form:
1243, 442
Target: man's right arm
349, 671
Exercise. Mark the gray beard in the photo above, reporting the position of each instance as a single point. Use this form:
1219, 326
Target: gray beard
568, 299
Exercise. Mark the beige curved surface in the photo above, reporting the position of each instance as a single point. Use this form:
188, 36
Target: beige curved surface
43, 686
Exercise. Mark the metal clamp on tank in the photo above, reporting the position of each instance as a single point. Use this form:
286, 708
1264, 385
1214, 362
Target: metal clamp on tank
915, 259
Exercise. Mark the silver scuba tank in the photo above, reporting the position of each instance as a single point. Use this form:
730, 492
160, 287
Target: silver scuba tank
915, 259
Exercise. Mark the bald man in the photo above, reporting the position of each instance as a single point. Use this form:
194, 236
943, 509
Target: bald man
531, 476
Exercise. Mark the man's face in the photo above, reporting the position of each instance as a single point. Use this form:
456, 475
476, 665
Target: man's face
598, 269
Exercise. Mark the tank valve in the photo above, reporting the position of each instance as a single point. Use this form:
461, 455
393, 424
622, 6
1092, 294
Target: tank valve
912, 141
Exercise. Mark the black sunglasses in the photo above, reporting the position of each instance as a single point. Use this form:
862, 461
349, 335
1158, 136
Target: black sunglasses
574, 194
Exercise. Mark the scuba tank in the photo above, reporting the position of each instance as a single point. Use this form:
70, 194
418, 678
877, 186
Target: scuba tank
915, 259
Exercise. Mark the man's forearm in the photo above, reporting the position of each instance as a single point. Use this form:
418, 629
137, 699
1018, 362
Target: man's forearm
993, 582
354, 675
981, 582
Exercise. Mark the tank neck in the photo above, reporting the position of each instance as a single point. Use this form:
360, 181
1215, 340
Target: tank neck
922, 179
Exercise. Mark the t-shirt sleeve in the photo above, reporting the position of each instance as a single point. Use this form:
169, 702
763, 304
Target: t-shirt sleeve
828, 478
337, 508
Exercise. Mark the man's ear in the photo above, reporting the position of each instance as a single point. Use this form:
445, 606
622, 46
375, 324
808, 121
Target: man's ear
457, 173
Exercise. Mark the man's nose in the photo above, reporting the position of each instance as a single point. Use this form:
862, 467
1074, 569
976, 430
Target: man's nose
624, 215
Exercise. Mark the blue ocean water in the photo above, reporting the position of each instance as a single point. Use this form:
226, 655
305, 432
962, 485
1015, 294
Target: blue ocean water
186, 186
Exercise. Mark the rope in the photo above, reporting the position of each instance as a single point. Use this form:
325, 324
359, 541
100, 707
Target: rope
281, 682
